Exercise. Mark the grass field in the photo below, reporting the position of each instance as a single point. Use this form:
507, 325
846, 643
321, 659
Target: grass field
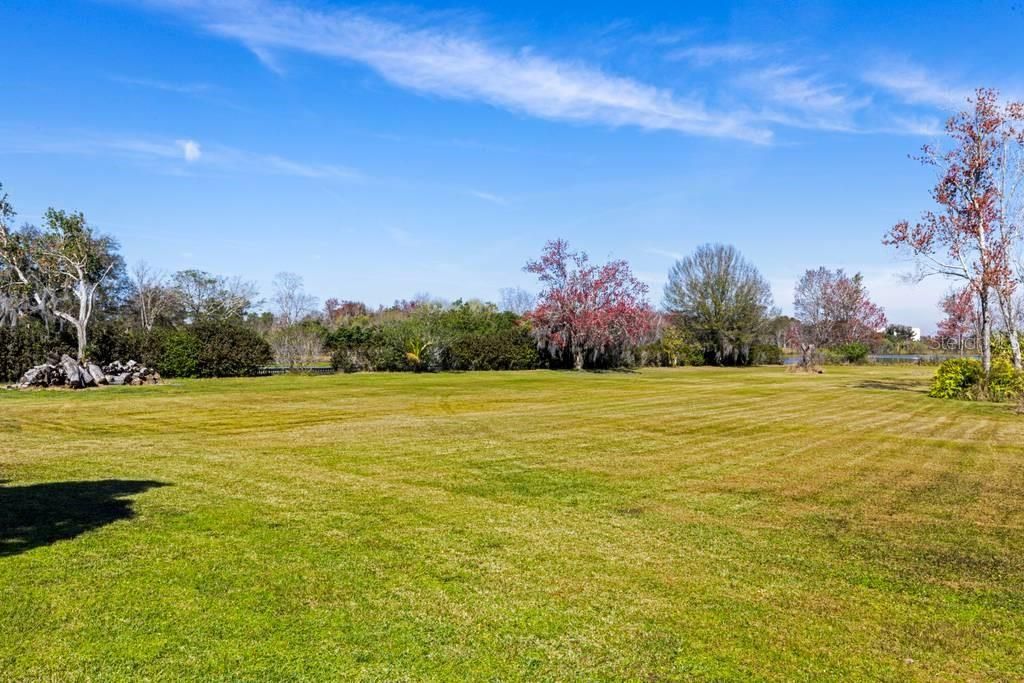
663, 525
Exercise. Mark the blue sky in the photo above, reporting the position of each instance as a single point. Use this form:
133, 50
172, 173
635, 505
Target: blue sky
386, 150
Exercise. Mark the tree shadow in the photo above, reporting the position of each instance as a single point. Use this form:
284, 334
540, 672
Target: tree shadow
914, 386
41, 514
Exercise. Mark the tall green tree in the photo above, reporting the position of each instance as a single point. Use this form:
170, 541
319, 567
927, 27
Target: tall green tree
722, 301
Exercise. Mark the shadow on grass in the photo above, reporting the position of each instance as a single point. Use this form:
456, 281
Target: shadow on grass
914, 386
40, 514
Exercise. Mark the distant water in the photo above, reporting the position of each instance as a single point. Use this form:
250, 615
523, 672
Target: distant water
892, 358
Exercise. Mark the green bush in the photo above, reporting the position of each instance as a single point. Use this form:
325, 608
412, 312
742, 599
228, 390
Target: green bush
957, 378
111, 340
509, 349
766, 354
350, 346
672, 348
964, 379
464, 337
1001, 347
178, 354
229, 348
1004, 382
210, 348
853, 352
29, 343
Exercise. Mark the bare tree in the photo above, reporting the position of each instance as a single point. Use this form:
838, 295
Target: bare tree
290, 297
150, 294
1008, 166
516, 300
202, 295
295, 341
298, 345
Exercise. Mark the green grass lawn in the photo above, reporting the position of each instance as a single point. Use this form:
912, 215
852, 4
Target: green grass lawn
670, 524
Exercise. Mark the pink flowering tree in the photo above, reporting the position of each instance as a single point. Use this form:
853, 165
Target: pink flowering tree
971, 235
961, 318
832, 308
586, 310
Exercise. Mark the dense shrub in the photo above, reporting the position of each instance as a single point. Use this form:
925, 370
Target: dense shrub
504, 349
853, 352
351, 346
210, 348
112, 340
29, 343
672, 348
462, 337
766, 354
1004, 382
177, 353
964, 379
482, 339
957, 378
1001, 347
229, 348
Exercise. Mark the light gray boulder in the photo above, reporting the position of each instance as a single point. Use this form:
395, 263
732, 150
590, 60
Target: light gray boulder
31, 377
97, 374
72, 372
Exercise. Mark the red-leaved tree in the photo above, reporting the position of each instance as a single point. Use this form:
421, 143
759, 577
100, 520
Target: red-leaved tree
832, 308
972, 234
961, 318
586, 310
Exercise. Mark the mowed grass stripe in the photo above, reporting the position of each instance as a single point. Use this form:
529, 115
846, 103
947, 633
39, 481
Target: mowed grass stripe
696, 523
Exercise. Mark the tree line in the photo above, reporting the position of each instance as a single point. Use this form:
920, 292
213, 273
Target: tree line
65, 287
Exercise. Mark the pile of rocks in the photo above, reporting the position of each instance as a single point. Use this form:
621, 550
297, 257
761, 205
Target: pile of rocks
70, 373
129, 373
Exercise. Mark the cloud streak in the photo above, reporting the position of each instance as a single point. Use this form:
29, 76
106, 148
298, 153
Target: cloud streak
445, 62
718, 53
153, 84
489, 197
915, 85
191, 152
758, 90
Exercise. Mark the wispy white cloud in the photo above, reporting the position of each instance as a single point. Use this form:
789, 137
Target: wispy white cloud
923, 126
450, 62
268, 59
915, 85
153, 84
790, 95
489, 197
791, 87
767, 87
196, 156
276, 165
667, 253
717, 53
190, 148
